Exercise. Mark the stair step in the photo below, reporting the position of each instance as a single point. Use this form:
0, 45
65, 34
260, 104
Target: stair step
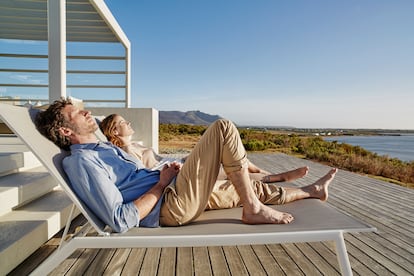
11, 143
20, 188
27, 228
12, 162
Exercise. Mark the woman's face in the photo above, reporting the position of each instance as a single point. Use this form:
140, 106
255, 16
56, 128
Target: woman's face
122, 127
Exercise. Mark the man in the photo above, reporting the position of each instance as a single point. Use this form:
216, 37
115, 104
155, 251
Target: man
123, 194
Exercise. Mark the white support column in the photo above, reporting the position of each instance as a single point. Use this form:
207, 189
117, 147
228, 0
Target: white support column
57, 48
128, 76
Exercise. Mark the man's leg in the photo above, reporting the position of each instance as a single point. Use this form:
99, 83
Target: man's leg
254, 211
187, 199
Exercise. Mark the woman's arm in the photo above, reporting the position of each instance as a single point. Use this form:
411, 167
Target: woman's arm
147, 156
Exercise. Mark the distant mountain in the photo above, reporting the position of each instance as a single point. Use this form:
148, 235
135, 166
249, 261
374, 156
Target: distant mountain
187, 118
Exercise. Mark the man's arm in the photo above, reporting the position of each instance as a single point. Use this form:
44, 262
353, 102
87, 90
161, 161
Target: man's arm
147, 201
93, 186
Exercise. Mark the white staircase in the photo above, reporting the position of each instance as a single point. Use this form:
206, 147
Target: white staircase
32, 207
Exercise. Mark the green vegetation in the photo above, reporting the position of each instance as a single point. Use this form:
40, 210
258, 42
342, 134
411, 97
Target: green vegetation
344, 156
168, 131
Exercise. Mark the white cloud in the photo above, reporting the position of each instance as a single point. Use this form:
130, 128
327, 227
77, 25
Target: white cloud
26, 78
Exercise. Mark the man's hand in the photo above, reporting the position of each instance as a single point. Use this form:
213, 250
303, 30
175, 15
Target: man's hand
168, 173
147, 201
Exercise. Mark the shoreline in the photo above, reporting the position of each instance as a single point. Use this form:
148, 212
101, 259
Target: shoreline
400, 147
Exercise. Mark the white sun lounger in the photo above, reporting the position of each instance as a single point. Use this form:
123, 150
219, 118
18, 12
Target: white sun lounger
314, 220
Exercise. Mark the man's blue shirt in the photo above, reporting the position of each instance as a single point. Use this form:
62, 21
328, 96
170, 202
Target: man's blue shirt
108, 180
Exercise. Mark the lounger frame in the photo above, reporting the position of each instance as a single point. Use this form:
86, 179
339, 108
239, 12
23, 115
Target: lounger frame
314, 220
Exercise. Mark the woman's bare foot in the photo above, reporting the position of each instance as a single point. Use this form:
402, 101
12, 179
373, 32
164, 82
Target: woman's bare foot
286, 176
254, 169
266, 215
319, 189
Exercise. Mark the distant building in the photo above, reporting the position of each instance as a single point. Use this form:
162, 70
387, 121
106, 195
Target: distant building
10, 100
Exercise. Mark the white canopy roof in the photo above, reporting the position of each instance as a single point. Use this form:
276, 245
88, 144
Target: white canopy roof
86, 21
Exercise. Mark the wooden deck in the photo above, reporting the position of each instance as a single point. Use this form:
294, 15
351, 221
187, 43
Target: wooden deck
390, 251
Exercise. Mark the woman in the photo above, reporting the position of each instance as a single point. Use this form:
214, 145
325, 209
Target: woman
119, 132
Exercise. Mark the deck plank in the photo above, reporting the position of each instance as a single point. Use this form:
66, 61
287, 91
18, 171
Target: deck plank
234, 261
167, 261
386, 206
82, 263
288, 266
184, 261
151, 261
250, 260
328, 255
373, 258
117, 263
321, 265
301, 260
100, 262
269, 264
202, 265
218, 261
134, 261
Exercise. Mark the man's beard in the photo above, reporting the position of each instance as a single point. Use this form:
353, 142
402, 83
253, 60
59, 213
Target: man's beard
91, 128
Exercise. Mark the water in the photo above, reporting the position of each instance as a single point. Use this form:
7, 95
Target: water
401, 147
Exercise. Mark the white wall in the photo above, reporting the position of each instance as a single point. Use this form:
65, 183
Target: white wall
144, 121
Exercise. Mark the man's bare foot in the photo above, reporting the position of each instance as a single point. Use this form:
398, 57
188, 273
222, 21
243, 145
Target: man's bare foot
266, 215
319, 189
286, 176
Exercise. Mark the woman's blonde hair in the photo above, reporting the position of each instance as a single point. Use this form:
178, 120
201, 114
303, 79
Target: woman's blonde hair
108, 126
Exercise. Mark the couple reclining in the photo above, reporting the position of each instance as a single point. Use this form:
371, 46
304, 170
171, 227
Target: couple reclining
123, 193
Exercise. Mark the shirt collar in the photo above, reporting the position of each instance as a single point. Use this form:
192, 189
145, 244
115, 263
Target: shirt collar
91, 146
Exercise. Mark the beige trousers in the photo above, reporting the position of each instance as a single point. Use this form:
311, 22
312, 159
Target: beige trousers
196, 187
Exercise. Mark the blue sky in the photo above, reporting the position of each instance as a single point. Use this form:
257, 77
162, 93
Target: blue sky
331, 63
267, 62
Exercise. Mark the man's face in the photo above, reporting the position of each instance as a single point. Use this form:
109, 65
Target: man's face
80, 121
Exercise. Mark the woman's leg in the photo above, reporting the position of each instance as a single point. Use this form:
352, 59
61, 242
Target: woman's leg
284, 176
257, 173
